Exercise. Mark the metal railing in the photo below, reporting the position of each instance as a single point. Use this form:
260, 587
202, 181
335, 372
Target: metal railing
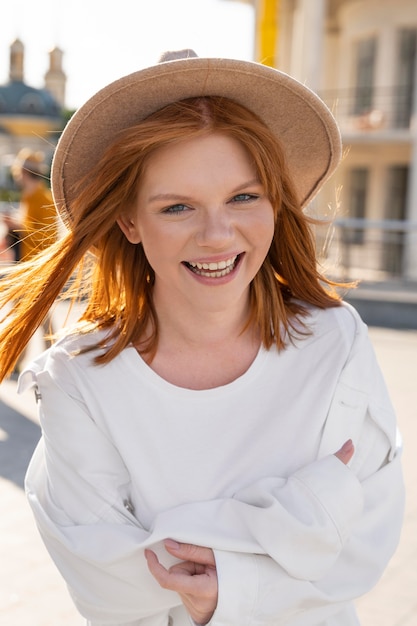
371, 108
374, 250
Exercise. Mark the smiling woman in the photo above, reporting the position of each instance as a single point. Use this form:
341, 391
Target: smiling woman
197, 231
218, 443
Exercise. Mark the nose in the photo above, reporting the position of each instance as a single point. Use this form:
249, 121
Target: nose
215, 229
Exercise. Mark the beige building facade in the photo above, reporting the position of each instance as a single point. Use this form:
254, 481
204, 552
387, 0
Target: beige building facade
360, 57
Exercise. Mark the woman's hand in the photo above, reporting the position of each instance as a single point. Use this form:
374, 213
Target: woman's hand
194, 579
346, 452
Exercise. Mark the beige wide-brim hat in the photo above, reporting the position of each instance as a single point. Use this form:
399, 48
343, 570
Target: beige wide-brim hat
300, 120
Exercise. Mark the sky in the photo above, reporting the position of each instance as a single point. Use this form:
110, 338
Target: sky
103, 40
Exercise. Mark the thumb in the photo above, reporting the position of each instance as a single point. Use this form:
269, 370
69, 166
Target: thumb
190, 552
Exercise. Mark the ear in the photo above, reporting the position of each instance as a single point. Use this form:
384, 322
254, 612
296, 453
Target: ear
129, 229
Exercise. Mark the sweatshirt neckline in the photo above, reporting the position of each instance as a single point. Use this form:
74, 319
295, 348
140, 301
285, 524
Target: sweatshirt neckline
147, 373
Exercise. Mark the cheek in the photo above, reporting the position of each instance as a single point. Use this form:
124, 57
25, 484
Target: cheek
160, 248
264, 228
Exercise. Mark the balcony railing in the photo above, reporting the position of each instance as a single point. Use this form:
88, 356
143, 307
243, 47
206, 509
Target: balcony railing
375, 250
370, 109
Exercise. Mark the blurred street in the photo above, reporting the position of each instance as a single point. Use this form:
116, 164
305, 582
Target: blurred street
33, 594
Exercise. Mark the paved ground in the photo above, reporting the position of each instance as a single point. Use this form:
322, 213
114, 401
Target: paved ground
31, 591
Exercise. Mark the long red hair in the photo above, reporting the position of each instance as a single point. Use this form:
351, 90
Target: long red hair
114, 276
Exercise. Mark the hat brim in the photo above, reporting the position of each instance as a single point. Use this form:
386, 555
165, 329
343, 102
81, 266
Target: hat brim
301, 121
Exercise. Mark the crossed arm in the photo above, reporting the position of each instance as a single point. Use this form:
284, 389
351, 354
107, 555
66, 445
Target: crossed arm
105, 583
195, 577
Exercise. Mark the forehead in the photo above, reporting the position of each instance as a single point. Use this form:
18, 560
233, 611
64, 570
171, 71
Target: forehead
199, 155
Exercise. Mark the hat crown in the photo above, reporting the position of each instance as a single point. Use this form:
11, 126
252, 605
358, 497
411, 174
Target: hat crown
176, 55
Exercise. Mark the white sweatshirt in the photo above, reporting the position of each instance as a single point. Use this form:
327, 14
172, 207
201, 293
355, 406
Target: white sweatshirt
128, 459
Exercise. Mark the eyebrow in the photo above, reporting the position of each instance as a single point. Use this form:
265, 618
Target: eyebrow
174, 197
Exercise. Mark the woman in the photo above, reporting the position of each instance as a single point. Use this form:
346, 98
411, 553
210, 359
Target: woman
37, 225
199, 419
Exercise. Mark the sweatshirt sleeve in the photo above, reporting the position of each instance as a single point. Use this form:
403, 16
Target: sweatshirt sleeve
78, 489
256, 589
259, 589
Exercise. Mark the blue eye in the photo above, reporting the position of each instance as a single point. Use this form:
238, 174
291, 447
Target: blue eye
244, 197
175, 208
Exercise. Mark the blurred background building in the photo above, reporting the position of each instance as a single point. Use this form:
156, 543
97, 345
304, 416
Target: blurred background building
30, 117
360, 57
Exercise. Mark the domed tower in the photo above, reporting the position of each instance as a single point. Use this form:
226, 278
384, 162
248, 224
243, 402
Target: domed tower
26, 111
16, 61
55, 78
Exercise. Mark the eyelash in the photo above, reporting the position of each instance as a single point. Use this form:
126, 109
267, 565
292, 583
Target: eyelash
170, 209
244, 197
241, 198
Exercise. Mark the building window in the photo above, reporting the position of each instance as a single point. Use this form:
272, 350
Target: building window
397, 180
364, 76
359, 180
406, 72
395, 209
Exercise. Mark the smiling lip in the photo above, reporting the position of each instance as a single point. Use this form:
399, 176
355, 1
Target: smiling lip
214, 269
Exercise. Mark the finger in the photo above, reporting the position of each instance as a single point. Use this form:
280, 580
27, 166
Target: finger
189, 568
346, 452
157, 570
190, 552
183, 578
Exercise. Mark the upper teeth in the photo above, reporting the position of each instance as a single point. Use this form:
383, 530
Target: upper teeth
214, 266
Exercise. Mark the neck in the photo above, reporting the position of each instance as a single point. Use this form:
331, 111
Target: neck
207, 354
200, 326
